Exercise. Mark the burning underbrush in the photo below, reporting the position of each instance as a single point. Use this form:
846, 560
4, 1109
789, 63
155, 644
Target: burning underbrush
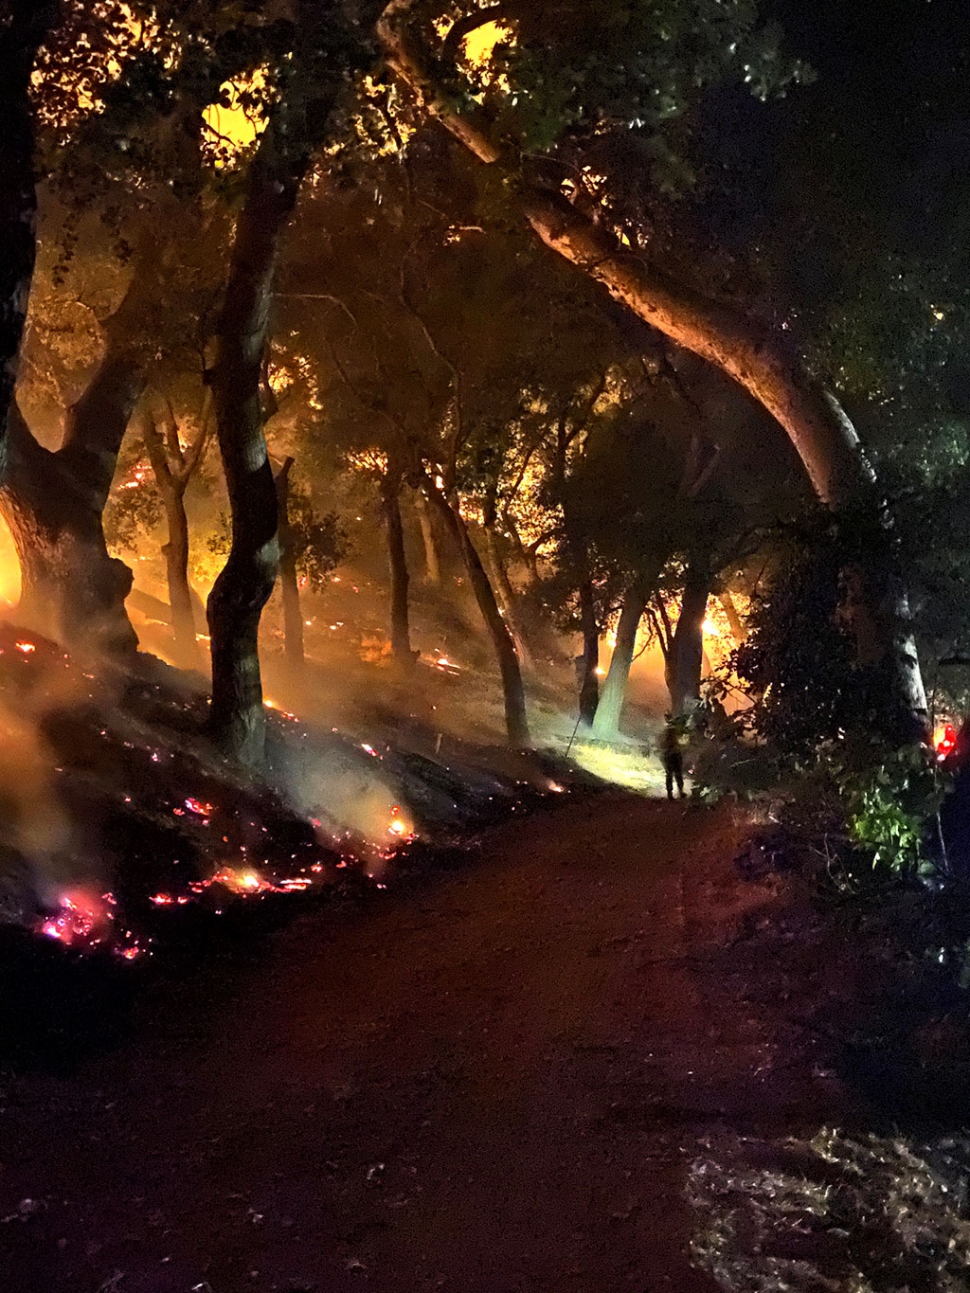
120, 824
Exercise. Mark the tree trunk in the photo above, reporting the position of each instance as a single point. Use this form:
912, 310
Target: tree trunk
172, 483
606, 724
53, 503
398, 565
289, 582
506, 594
21, 36
513, 692
589, 686
48, 499
237, 719
432, 561
176, 553
685, 660
758, 357
738, 631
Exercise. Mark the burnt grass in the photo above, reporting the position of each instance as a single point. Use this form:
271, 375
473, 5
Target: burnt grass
127, 753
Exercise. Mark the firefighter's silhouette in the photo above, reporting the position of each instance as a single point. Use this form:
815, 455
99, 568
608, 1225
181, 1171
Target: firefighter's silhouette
673, 742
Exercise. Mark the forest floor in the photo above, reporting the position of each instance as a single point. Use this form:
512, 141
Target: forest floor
537, 1073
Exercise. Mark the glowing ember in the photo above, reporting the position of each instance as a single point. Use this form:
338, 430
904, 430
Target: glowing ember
284, 713
242, 881
945, 740
26, 647
200, 809
399, 827
80, 920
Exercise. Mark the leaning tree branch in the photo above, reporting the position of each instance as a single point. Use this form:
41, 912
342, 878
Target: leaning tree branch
754, 355
462, 28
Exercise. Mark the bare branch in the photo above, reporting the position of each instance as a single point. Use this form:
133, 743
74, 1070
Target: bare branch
194, 454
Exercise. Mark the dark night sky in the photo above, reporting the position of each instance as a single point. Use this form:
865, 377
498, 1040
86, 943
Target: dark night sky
894, 83
882, 135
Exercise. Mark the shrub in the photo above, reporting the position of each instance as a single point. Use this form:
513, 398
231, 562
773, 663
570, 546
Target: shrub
890, 798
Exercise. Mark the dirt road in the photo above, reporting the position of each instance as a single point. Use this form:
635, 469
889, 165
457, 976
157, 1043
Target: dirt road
493, 1085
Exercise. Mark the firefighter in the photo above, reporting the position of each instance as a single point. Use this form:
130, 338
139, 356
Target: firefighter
673, 741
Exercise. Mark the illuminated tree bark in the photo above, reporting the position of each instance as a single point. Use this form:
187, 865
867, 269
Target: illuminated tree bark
759, 358
397, 565
499, 575
685, 658
589, 691
173, 468
606, 724
738, 631
293, 644
513, 691
26, 24
237, 718
54, 502
429, 539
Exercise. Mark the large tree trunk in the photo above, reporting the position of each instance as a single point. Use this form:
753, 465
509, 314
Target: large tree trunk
237, 719
432, 561
738, 631
171, 485
398, 567
513, 692
27, 24
758, 357
160, 435
176, 553
289, 582
54, 502
685, 659
507, 596
55, 520
606, 724
589, 684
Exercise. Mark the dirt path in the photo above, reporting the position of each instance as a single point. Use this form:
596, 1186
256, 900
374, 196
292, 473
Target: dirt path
490, 1086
